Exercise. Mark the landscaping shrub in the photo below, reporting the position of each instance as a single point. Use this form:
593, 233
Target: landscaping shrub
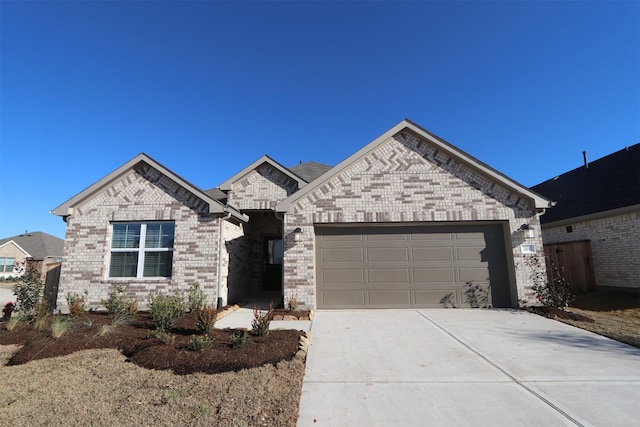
292, 304
166, 310
239, 338
206, 319
119, 306
28, 290
550, 286
59, 326
261, 321
198, 342
196, 297
77, 304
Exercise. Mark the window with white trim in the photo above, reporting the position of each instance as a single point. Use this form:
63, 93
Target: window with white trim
141, 249
6, 265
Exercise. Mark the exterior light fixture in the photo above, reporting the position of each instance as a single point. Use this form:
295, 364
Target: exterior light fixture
297, 234
528, 231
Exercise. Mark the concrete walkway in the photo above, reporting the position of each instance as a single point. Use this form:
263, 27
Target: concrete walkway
464, 367
242, 317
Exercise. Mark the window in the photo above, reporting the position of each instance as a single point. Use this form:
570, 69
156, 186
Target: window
141, 249
6, 265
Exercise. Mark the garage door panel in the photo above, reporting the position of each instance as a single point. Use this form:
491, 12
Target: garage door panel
387, 254
437, 298
470, 254
333, 277
434, 275
390, 275
335, 299
410, 266
432, 254
432, 236
474, 275
343, 255
386, 298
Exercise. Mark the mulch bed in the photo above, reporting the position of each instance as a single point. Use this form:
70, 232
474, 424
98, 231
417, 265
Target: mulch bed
556, 313
136, 343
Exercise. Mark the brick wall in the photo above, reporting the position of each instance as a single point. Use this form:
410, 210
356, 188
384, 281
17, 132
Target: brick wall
615, 246
262, 188
141, 195
405, 179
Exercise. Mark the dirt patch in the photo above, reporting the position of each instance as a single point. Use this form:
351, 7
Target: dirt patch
615, 315
93, 331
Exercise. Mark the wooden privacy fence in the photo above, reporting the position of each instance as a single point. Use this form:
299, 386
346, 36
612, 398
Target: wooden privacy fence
574, 261
51, 285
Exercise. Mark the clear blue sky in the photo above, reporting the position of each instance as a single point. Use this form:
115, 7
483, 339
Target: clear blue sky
206, 88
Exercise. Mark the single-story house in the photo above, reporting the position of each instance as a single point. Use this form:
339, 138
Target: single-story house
407, 221
37, 250
598, 204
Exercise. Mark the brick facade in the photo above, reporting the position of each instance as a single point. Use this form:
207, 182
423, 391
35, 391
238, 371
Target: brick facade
140, 195
404, 180
261, 189
615, 246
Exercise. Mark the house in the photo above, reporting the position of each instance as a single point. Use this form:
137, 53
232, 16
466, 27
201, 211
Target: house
407, 221
598, 206
36, 249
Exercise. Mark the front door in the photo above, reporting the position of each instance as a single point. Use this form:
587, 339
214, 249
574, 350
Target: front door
273, 254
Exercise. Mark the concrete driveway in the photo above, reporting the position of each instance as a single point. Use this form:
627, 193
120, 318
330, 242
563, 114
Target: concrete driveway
464, 367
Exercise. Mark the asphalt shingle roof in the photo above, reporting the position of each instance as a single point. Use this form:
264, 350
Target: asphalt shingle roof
38, 244
608, 183
309, 170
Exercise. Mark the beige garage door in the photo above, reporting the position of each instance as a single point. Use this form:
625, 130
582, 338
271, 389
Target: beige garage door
411, 266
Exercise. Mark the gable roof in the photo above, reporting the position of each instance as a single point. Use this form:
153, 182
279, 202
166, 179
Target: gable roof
226, 186
37, 245
215, 206
309, 170
611, 182
538, 201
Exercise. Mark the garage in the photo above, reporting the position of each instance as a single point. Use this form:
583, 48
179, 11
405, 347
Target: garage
420, 266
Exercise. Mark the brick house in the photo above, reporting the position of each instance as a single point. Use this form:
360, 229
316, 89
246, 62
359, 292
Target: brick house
35, 250
407, 221
599, 204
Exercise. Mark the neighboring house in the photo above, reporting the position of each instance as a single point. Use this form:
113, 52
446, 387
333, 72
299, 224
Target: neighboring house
407, 221
599, 203
36, 249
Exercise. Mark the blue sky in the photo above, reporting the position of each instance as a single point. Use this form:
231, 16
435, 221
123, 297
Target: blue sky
206, 88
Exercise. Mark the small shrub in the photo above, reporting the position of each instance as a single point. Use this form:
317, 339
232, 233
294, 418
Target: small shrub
28, 290
121, 319
292, 304
239, 338
198, 342
117, 301
166, 310
163, 336
59, 326
261, 321
77, 303
206, 319
550, 287
40, 323
196, 298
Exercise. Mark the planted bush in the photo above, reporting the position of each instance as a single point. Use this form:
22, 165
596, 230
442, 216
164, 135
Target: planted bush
261, 321
119, 306
239, 338
77, 303
196, 297
166, 310
207, 316
550, 286
198, 342
28, 290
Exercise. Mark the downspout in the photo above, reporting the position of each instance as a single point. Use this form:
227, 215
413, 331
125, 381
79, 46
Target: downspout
220, 243
280, 216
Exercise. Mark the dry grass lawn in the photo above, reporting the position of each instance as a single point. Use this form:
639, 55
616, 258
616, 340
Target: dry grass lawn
97, 387
615, 315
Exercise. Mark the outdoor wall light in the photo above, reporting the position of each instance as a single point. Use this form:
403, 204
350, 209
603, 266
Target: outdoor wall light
528, 231
297, 234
